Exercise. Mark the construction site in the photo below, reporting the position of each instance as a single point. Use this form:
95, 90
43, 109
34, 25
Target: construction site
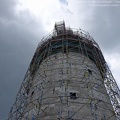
67, 79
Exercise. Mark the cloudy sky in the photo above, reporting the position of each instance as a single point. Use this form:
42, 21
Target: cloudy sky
24, 22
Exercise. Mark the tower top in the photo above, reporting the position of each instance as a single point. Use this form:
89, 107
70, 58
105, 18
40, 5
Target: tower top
65, 39
60, 28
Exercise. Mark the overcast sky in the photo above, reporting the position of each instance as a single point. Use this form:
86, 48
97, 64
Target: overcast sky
24, 22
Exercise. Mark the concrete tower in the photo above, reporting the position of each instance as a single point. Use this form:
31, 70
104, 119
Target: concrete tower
68, 79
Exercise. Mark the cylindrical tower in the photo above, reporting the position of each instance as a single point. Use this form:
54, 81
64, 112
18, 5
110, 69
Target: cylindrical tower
68, 79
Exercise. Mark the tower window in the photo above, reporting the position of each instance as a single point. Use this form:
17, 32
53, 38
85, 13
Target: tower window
90, 71
72, 95
27, 91
32, 93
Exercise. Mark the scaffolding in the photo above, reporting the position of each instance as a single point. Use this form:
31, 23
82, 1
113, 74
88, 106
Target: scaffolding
63, 41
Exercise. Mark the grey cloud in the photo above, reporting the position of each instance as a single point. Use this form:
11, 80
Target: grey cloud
15, 55
7, 8
104, 25
19, 36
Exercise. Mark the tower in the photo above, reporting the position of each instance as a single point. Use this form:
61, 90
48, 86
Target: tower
68, 79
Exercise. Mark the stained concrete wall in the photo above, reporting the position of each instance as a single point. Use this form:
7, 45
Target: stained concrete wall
68, 86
